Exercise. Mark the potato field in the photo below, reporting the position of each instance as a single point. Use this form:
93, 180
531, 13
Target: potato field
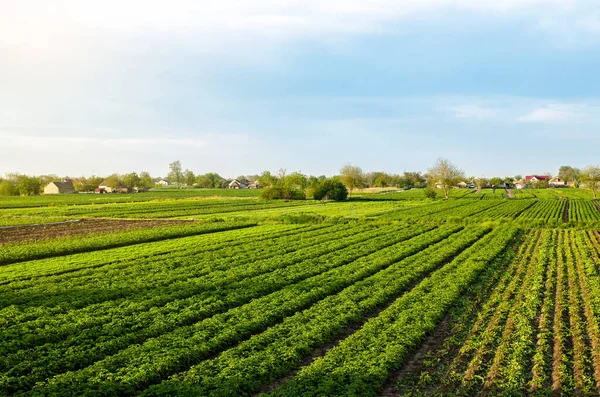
223, 294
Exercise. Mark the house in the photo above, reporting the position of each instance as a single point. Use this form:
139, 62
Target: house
462, 184
105, 188
163, 182
521, 184
59, 188
235, 184
254, 185
536, 178
557, 182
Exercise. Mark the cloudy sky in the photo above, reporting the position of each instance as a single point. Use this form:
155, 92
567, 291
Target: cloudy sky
237, 86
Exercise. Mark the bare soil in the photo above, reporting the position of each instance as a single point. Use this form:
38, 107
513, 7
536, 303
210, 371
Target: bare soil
83, 227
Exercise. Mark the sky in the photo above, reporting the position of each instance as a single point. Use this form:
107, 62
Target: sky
500, 87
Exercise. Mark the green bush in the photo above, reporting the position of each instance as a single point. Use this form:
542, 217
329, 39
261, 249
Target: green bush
284, 193
429, 193
331, 189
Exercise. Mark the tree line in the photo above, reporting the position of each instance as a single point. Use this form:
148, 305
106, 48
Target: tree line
443, 175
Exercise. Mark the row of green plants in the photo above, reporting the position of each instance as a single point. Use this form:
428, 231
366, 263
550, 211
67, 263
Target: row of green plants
137, 366
282, 348
103, 333
20, 252
177, 294
362, 363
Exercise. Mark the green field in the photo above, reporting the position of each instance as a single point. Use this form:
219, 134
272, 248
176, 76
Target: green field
220, 293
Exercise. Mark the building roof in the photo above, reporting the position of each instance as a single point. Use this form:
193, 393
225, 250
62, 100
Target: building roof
64, 185
538, 177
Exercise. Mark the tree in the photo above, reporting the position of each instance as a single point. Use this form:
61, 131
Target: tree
267, 179
176, 173
189, 178
496, 181
568, 173
26, 185
331, 189
445, 175
146, 181
113, 181
518, 177
481, 183
296, 180
130, 180
590, 176
352, 177
7, 188
209, 180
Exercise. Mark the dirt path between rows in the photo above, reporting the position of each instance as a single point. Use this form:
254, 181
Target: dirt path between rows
83, 227
566, 212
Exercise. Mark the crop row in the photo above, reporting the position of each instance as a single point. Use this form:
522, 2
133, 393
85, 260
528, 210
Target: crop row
154, 209
212, 290
118, 330
280, 349
183, 261
539, 331
19, 252
361, 363
583, 210
139, 365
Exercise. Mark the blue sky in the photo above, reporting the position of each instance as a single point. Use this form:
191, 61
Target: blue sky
500, 88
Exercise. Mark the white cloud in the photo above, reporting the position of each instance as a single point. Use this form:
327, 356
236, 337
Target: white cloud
561, 113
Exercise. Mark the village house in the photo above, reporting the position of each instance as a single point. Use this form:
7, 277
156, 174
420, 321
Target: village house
235, 184
105, 188
557, 182
163, 182
536, 178
254, 185
64, 187
520, 184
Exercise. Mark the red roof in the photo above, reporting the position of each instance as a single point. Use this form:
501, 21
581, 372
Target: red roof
540, 177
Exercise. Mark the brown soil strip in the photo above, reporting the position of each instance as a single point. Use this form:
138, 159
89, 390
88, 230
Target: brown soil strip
596, 204
33, 233
415, 364
565, 216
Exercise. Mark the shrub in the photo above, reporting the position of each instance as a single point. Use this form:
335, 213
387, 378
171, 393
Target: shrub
429, 193
331, 189
284, 193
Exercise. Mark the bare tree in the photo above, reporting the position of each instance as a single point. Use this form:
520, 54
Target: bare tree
590, 176
444, 174
352, 176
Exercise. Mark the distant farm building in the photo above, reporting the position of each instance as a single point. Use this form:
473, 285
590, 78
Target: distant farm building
235, 184
536, 178
557, 182
163, 182
105, 188
462, 184
521, 184
254, 185
59, 188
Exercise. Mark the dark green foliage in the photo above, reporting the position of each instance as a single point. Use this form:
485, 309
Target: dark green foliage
429, 193
282, 192
331, 189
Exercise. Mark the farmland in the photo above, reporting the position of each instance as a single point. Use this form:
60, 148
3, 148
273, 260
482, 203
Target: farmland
219, 293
